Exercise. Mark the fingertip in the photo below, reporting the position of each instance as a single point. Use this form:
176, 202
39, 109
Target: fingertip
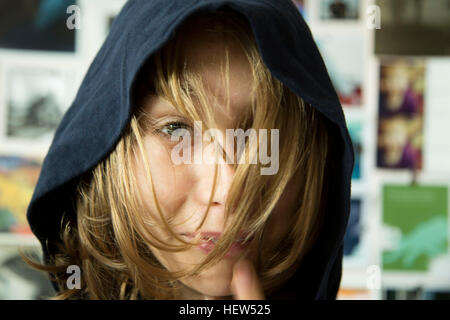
242, 272
245, 284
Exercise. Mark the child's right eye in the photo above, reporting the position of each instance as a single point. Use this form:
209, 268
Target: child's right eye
176, 129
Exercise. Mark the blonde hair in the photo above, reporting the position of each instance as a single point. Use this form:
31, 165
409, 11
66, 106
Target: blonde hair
108, 238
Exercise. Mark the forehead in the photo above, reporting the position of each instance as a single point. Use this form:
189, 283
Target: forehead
205, 53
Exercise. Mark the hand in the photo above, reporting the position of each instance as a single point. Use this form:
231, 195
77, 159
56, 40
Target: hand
245, 284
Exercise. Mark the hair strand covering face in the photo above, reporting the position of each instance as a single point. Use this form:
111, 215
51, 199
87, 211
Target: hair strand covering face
111, 241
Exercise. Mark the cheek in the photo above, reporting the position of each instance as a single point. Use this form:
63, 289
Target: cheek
283, 211
172, 183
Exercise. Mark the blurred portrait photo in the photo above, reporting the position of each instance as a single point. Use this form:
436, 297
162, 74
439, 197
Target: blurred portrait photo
36, 100
401, 106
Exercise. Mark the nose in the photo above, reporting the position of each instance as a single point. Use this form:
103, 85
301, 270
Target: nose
225, 174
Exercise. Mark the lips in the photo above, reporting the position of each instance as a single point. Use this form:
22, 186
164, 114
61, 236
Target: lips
208, 241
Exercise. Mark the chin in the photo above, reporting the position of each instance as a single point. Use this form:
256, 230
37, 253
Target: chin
214, 283
215, 289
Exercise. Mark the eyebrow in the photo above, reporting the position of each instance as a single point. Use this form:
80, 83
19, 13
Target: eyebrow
161, 108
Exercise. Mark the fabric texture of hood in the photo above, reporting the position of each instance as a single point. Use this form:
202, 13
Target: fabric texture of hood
101, 110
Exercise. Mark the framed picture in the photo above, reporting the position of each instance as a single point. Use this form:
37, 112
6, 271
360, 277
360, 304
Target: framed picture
415, 226
344, 56
339, 9
36, 25
401, 108
355, 129
35, 100
356, 237
18, 177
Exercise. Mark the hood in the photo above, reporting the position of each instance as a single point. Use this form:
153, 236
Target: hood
88, 133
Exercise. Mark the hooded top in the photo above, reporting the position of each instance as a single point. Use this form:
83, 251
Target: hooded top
102, 108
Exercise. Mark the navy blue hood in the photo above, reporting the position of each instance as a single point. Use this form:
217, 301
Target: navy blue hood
102, 108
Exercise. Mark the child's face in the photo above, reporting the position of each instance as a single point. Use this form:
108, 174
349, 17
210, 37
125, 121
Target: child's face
183, 190
394, 133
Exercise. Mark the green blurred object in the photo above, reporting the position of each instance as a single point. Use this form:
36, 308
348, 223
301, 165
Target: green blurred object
420, 213
6, 220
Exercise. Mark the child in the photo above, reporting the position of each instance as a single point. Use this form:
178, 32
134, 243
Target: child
141, 190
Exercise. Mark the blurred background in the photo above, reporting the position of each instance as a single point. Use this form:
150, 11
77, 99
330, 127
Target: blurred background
389, 61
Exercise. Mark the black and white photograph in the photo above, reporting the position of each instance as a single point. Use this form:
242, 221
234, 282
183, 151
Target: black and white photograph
36, 99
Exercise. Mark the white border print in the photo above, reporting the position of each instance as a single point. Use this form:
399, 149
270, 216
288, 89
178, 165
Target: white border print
182, 152
27, 127
35, 102
36, 99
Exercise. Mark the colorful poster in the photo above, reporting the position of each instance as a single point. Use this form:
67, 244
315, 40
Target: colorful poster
354, 232
36, 25
355, 130
18, 177
344, 54
401, 108
415, 219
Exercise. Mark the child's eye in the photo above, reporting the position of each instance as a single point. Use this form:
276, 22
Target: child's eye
176, 129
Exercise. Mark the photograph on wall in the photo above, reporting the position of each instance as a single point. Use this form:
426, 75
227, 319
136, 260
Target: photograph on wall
355, 130
36, 99
413, 28
18, 177
18, 281
401, 108
415, 224
344, 56
36, 25
339, 9
355, 240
